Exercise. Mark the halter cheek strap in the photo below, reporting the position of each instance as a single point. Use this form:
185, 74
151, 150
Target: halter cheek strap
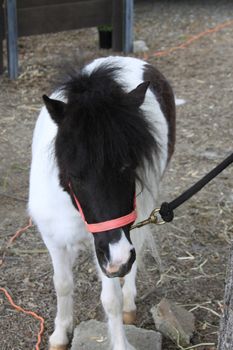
106, 225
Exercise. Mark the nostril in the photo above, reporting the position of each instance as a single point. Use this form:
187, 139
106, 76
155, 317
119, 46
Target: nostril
132, 256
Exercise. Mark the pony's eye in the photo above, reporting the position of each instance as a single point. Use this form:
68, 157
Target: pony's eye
124, 168
77, 179
128, 169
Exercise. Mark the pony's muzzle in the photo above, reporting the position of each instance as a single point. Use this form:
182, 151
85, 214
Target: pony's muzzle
120, 270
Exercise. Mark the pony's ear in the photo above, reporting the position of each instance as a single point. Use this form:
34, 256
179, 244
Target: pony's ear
55, 108
139, 93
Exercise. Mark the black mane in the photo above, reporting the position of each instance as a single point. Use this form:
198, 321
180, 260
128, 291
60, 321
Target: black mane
104, 127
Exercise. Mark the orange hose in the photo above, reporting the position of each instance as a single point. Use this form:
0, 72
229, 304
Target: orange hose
17, 307
31, 313
19, 232
191, 40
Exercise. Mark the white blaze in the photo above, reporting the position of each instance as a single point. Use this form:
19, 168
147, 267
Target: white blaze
119, 253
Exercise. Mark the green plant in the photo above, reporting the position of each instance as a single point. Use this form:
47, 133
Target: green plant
105, 28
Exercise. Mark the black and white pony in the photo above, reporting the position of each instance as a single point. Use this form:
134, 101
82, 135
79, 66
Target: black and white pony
100, 147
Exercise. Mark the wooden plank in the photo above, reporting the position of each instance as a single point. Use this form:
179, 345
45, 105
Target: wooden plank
12, 39
1, 35
58, 15
61, 17
32, 3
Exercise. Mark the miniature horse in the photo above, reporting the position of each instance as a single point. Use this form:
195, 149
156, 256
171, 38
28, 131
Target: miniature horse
100, 147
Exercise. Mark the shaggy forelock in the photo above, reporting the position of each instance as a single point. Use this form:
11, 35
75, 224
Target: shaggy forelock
103, 126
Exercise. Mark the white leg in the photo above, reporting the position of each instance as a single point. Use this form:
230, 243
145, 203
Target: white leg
112, 300
63, 259
129, 295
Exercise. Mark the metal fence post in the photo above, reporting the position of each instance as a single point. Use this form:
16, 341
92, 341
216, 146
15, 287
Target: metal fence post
128, 26
1, 35
12, 37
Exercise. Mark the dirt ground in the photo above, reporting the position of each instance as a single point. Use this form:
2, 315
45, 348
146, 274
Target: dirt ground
194, 248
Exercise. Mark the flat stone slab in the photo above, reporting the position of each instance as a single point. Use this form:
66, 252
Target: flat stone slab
93, 335
174, 322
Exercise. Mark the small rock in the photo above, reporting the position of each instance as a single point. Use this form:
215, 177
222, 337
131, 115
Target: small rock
231, 197
140, 46
210, 154
179, 101
93, 335
174, 322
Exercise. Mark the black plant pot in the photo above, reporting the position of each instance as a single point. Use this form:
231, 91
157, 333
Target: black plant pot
105, 39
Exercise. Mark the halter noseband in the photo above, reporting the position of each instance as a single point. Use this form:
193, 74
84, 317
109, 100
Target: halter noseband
106, 225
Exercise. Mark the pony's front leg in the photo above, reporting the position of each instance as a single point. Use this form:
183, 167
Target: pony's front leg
63, 260
112, 300
129, 295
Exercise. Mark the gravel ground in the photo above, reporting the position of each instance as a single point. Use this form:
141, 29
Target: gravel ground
194, 248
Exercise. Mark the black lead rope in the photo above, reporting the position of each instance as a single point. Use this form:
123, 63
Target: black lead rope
166, 209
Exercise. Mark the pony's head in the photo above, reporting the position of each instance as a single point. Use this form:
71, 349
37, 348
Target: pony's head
102, 141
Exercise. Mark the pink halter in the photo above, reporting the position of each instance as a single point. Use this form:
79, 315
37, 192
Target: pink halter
106, 225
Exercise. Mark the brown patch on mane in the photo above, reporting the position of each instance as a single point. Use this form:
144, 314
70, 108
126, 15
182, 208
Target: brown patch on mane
164, 95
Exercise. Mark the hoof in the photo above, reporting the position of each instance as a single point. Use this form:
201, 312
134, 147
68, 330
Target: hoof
129, 317
58, 347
